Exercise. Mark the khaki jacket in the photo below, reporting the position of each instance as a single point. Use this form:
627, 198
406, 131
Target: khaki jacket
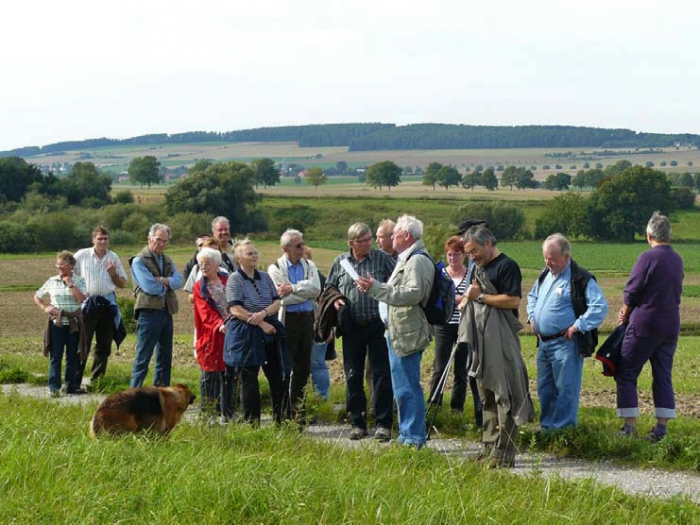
407, 288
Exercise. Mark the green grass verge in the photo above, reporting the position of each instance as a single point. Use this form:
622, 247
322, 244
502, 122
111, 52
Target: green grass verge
52, 472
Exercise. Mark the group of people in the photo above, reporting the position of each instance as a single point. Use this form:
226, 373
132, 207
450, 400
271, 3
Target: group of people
284, 319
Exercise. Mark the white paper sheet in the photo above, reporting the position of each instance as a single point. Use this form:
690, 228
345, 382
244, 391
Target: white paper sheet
348, 268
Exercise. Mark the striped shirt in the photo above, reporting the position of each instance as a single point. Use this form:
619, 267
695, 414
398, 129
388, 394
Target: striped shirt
461, 285
59, 295
94, 270
254, 294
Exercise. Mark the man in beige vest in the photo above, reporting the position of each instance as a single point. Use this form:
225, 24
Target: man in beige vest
155, 282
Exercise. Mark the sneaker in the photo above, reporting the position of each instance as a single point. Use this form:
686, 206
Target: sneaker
628, 431
357, 433
382, 434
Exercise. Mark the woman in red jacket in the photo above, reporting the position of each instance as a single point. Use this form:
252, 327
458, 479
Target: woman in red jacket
210, 316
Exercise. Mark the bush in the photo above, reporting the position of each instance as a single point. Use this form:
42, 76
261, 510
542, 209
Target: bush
505, 219
120, 237
126, 307
53, 231
123, 197
14, 238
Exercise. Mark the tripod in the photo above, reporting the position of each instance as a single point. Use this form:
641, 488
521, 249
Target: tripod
434, 401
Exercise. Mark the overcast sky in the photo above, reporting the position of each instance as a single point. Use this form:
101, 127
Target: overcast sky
73, 70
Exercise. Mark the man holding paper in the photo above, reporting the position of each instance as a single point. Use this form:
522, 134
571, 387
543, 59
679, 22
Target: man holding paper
365, 333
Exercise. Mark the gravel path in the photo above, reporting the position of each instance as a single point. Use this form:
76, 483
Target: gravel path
634, 481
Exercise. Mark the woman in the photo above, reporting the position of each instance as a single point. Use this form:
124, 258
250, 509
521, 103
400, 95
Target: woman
255, 337
59, 298
210, 316
651, 309
446, 337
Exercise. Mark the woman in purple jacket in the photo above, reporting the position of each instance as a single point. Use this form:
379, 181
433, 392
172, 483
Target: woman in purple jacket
651, 307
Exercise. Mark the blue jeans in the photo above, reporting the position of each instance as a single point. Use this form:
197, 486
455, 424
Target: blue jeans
559, 373
153, 327
62, 337
405, 378
320, 376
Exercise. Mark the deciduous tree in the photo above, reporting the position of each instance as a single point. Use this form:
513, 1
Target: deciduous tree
266, 173
384, 173
315, 176
145, 170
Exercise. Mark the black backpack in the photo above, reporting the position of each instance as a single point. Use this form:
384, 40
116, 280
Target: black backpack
441, 303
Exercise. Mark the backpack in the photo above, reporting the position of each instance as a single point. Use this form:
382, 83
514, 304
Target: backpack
441, 302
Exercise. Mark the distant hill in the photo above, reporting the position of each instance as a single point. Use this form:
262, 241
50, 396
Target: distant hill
377, 136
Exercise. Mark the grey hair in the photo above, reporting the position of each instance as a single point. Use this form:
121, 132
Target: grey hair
659, 227
480, 234
410, 224
159, 227
560, 241
386, 223
288, 235
238, 248
209, 253
357, 230
219, 219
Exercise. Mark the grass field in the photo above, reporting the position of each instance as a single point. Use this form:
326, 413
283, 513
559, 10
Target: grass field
117, 158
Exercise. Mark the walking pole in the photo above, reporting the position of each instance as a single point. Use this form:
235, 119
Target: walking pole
434, 402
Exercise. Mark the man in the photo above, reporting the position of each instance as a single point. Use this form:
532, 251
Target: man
564, 303
364, 333
221, 230
155, 281
384, 239
408, 332
489, 323
384, 232
298, 285
103, 273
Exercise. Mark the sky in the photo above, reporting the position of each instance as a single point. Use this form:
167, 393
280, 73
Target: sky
74, 70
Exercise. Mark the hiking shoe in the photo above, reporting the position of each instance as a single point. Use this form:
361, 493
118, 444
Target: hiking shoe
653, 437
628, 431
382, 434
357, 433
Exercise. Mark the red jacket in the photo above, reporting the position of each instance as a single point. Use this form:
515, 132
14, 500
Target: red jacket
207, 321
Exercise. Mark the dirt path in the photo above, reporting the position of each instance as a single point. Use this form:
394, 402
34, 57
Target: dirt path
633, 481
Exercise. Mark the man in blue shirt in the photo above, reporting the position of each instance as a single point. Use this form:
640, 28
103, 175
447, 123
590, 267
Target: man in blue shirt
298, 284
551, 314
155, 282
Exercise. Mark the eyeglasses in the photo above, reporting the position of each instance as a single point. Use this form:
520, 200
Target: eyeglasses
300, 245
250, 254
161, 241
366, 239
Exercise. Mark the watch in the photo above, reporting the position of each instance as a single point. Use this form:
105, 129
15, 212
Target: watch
480, 298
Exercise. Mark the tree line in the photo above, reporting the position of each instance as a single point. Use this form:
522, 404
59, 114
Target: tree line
40, 212
378, 136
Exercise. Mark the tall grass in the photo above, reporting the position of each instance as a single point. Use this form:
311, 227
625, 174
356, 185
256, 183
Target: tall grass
52, 472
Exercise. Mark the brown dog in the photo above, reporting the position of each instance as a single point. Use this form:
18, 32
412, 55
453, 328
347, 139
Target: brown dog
150, 409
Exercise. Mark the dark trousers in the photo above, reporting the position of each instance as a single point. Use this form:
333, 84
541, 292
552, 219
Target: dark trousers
63, 339
228, 396
445, 338
101, 326
300, 335
250, 388
211, 390
357, 343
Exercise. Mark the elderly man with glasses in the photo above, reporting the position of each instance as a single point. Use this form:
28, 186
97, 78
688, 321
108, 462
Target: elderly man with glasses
364, 333
298, 284
155, 281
